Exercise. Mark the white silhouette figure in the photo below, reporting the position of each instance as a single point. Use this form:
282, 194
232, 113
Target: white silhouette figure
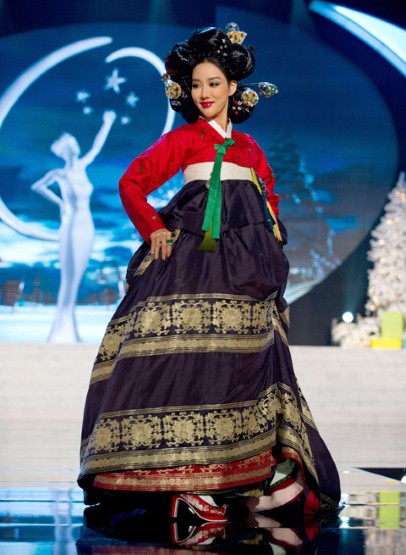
76, 232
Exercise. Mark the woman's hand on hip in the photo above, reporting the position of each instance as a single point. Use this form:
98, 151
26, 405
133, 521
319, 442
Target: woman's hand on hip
161, 243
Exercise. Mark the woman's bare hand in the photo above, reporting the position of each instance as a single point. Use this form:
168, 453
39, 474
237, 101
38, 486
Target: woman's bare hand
160, 244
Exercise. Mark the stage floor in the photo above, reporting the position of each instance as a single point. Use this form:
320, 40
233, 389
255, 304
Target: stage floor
357, 399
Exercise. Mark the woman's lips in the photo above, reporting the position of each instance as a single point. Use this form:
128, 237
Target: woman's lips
206, 104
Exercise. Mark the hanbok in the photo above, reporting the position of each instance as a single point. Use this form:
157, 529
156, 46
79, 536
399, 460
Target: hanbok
193, 388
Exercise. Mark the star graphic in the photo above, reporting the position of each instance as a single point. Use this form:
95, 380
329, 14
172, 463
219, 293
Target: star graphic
125, 120
82, 96
87, 110
114, 82
131, 100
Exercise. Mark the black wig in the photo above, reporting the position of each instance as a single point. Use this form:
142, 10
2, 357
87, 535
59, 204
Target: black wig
235, 60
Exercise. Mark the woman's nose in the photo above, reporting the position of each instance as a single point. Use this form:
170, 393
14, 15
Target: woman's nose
204, 92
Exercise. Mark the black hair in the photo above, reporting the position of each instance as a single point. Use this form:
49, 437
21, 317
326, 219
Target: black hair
210, 44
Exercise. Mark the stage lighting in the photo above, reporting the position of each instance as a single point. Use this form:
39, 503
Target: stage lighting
384, 37
348, 317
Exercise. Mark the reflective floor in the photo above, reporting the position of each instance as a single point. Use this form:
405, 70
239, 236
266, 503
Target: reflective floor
36, 520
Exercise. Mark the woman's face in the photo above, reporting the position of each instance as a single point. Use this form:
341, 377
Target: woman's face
211, 91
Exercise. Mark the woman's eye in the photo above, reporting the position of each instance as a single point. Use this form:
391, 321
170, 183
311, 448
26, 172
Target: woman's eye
215, 84
195, 85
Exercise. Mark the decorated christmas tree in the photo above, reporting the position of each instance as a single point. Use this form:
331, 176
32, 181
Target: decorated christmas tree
387, 278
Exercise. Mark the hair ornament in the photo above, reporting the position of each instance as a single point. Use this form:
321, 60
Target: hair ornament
223, 48
268, 89
172, 90
249, 98
234, 34
237, 106
265, 88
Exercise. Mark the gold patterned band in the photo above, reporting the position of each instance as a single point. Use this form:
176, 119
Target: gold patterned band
176, 324
190, 435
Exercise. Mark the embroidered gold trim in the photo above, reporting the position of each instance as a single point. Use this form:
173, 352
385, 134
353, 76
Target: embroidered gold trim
208, 344
144, 459
278, 326
185, 481
263, 462
307, 415
144, 264
178, 436
213, 322
212, 296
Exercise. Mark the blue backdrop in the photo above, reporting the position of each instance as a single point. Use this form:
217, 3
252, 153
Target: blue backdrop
328, 135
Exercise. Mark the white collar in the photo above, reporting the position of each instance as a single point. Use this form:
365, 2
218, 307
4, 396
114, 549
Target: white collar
225, 134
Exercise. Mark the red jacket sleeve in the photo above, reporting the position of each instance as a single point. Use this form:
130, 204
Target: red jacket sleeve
265, 172
146, 173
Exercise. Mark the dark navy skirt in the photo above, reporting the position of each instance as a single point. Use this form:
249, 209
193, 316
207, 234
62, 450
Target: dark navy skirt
193, 387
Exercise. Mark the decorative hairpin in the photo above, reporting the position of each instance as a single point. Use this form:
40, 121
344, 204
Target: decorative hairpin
265, 88
172, 90
249, 98
234, 34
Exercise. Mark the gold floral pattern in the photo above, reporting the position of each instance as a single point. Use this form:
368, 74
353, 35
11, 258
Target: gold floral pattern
145, 431
183, 428
176, 436
106, 435
155, 458
191, 316
235, 316
223, 425
150, 318
112, 339
292, 430
262, 314
184, 323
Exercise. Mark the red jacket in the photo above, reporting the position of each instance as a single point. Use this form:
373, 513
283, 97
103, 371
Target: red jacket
188, 144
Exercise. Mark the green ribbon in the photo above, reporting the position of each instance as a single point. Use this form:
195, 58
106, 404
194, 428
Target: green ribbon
212, 214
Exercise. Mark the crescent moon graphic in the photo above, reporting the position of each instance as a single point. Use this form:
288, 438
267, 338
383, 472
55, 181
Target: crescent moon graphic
15, 91
148, 56
12, 221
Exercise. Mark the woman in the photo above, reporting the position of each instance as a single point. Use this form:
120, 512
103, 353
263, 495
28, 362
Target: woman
193, 390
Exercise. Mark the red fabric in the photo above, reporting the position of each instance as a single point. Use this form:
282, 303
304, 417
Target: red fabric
312, 503
186, 145
212, 477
